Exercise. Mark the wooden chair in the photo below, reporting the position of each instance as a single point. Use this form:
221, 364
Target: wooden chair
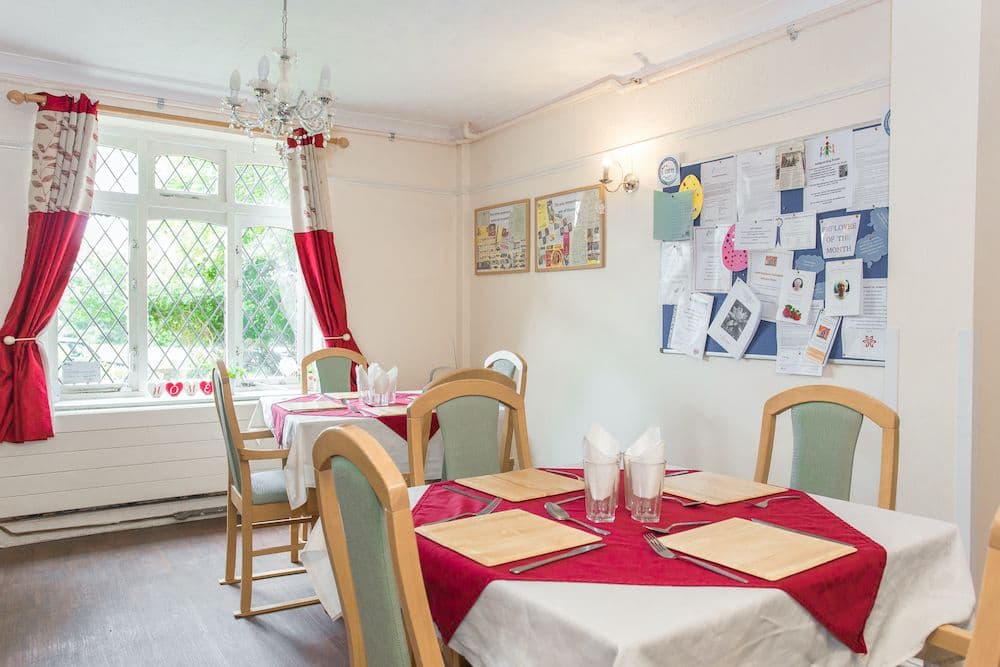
468, 416
255, 500
334, 366
826, 421
981, 647
515, 367
365, 509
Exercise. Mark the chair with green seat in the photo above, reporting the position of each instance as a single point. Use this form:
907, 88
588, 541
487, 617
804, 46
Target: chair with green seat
254, 499
334, 368
468, 415
826, 421
515, 367
365, 509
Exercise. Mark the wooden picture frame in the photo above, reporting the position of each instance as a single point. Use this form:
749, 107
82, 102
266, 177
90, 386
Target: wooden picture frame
554, 250
489, 256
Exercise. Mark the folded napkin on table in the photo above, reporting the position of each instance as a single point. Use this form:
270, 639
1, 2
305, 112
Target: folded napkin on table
375, 378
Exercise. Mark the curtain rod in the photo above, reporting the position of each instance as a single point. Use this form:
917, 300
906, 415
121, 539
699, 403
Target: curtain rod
19, 97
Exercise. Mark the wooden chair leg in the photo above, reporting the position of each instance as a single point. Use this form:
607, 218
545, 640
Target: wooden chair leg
293, 534
246, 568
230, 545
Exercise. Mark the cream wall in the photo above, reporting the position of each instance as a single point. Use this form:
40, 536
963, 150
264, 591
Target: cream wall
395, 222
592, 338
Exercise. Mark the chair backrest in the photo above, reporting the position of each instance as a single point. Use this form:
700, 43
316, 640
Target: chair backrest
471, 374
981, 647
365, 509
222, 392
334, 366
510, 364
468, 417
826, 421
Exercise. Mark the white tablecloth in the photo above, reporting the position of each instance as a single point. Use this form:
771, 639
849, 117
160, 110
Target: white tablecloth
301, 430
522, 623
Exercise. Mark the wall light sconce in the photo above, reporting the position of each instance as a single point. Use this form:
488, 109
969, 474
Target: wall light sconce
629, 182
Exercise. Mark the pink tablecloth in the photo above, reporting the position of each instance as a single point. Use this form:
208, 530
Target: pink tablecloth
354, 409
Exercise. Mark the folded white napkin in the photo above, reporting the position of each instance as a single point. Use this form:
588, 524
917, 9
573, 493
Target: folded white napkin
599, 446
648, 448
375, 379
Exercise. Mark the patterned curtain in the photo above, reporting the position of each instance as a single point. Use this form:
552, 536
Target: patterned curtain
313, 226
59, 197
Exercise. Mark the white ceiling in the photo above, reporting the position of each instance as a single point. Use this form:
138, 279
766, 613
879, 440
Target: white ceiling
440, 63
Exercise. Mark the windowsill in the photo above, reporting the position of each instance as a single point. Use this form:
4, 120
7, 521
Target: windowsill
140, 402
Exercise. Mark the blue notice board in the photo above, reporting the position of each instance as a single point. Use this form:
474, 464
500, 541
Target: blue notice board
765, 343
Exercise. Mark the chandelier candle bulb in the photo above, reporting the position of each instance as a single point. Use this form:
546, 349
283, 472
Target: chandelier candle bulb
234, 82
263, 68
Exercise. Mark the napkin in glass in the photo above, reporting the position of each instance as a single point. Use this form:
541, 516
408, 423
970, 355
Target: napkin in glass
599, 446
648, 448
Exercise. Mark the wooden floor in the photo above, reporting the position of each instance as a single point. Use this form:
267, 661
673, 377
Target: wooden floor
151, 597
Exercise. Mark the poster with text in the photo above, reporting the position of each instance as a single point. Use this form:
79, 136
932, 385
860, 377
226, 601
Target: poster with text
569, 229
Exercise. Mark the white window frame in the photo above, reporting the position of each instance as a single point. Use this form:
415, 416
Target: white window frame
148, 205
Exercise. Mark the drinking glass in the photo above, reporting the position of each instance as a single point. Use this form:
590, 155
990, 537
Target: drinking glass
646, 489
600, 481
627, 480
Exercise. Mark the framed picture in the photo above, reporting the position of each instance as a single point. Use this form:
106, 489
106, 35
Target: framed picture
501, 243
569, 229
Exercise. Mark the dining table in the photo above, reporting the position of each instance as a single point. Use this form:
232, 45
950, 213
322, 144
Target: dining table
926, 582
299, 431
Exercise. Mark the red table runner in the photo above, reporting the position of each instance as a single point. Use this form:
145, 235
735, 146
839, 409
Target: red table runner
839, 594
354, 409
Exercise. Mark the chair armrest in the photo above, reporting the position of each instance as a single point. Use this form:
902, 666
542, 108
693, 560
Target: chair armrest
952, 639
261, 454
257, 435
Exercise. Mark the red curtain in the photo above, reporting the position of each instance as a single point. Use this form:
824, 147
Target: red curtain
312, 222
59, 198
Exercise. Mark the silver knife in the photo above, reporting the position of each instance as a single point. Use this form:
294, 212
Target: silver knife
675, 473
800, 532
468, 494
545, 561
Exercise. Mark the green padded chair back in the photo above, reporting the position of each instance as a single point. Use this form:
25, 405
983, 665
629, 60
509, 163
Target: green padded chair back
333, 374
504, 366
469, 428
227, 435
371, 567
824, 437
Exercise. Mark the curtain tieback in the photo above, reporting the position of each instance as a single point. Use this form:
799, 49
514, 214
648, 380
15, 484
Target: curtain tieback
346, 336
10, 340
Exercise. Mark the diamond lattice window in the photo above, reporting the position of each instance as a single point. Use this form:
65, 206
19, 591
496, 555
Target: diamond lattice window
117, 170
261, 184
92, 320
270, 303
186, 174
186, 293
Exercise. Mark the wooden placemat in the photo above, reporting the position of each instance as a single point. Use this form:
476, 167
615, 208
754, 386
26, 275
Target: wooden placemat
715, 489
504, 537
314, 405
520, 485
385, 411
763, 551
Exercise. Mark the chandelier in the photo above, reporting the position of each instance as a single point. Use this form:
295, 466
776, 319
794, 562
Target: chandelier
282, 108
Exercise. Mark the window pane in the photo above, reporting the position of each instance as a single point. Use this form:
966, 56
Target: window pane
186, 298
265, 184
183, 173
270, 303
92, 321
117, 170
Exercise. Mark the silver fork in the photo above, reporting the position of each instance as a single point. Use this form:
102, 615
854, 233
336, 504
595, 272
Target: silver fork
486, 510
683, 503
662, 551
666, 531
764, 503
